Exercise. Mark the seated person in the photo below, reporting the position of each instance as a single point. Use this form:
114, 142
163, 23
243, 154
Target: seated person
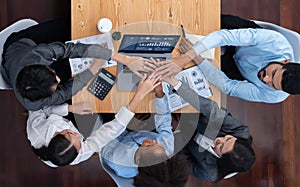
221, 144
58, 143
133, 149
27, 55
263, 57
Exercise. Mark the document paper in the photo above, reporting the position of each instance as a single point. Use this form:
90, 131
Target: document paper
196, 81
78, 65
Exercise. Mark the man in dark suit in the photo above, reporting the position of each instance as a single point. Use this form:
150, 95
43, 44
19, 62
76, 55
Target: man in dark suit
220, 145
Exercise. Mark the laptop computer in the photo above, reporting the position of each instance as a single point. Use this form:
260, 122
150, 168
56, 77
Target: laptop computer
147, 46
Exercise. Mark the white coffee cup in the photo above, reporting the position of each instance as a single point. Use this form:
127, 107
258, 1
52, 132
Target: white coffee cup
104, 25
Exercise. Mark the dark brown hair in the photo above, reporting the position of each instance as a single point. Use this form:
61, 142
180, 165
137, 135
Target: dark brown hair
173, 172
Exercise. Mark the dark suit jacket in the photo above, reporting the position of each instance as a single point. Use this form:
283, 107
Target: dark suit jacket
204, 164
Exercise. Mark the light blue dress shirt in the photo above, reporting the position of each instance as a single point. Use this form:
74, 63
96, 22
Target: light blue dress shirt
256, 48
119, 153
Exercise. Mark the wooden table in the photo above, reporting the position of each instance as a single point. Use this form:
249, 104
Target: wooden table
142, 16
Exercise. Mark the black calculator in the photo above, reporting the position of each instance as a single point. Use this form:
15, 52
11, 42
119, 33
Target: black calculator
102, 84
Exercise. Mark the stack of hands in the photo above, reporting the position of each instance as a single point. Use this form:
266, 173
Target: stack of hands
152, 72
168, 69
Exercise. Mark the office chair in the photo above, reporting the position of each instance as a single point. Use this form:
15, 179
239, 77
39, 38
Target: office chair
292, 36
120, 181
4, 34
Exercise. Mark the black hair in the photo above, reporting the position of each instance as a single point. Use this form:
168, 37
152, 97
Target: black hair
34, 82
59, 151
291, 78
150, 155
173, 172
240, 159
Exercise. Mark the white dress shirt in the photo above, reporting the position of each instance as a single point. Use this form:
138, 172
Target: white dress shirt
43, 124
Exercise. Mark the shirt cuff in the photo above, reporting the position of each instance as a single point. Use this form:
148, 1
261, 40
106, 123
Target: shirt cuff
205, 65
161, 104
199, 47
61, 110
177, 86
124, 116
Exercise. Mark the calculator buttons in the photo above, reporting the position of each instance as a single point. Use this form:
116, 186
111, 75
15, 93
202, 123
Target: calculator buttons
100, 87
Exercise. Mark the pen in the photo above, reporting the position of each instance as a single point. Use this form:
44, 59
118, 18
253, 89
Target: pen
183, 32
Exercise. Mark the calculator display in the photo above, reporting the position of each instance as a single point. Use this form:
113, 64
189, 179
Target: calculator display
103, 76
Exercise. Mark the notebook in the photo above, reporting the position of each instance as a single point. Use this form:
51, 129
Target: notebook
147, 46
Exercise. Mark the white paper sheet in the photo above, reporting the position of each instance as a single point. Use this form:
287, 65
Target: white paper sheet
78, 65
196, 81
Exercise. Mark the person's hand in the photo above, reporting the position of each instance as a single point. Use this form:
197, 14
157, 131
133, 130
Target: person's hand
173, 66
139, 65
170, 79
185, 45
170, 67
80, 108
147, 84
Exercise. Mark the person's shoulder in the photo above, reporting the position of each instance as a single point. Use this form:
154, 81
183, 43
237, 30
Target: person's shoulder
271, 34
209, 167
21, 44
269, 95
25, 41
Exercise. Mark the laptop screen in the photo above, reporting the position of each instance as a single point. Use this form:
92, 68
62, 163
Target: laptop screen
148, 43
